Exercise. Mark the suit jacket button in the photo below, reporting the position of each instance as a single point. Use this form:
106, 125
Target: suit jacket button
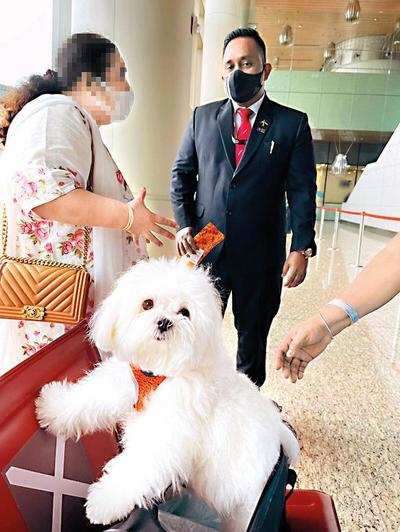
228, 213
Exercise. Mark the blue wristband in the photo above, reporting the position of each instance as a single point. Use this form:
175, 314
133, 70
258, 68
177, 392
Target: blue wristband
348, 309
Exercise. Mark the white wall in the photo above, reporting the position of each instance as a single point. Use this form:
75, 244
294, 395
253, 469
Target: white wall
25, 39
378, 189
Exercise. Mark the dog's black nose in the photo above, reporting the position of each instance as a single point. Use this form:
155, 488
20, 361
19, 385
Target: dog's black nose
164, 324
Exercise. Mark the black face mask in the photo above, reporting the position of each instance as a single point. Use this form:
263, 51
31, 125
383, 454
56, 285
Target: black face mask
242, 87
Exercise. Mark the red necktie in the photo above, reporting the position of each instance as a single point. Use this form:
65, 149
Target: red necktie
242, 132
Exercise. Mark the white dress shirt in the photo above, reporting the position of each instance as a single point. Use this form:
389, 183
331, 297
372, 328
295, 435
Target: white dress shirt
255, 108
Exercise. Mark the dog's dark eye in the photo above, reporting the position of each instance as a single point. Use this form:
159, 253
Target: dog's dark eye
184, 311
147, 304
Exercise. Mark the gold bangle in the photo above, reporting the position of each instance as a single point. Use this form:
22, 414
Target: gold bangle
129, 223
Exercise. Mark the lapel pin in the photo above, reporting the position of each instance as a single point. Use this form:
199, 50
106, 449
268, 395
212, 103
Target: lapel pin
262, 128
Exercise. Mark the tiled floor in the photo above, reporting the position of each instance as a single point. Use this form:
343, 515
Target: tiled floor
347, 408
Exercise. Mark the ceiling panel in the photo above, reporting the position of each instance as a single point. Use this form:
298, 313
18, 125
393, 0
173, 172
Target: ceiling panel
315, 24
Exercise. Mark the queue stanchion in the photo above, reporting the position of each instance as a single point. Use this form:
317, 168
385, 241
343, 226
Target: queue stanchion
321, 223
360, 241
335, 231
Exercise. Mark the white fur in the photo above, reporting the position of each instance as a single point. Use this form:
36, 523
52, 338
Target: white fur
207, 425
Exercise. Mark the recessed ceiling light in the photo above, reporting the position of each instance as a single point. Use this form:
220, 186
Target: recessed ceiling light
300, 26
375, 19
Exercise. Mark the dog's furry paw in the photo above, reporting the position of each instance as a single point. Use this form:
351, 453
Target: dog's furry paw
105, 504
51, 409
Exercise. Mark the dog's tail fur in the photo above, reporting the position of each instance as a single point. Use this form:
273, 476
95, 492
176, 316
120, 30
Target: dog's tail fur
290, 444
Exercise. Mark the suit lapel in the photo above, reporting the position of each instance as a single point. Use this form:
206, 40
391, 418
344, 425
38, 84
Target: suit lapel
260, 128
225, 124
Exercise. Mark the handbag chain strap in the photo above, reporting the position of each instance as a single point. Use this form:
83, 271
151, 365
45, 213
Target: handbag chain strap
42, 262
4, 232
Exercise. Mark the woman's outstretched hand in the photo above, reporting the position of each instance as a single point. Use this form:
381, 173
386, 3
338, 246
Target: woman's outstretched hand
146, 222
301, 345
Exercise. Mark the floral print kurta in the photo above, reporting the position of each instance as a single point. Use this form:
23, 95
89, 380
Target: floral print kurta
48, 154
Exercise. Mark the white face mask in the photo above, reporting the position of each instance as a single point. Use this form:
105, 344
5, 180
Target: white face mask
123, 102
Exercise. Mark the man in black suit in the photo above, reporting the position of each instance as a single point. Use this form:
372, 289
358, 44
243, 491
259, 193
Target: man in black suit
238, 159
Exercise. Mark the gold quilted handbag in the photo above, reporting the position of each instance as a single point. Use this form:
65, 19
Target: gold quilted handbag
42, 290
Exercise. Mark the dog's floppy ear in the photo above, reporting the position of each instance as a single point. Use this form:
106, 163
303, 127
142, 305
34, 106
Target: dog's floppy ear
103, 324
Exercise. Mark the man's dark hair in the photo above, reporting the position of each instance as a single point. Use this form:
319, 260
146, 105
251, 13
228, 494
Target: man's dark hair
247, 32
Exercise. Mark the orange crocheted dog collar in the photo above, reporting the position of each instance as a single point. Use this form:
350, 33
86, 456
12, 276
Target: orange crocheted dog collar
147, 383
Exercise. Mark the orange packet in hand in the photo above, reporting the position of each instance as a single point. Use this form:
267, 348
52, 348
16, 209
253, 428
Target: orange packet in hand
206, 240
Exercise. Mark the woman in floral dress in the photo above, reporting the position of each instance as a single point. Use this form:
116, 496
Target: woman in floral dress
57, 177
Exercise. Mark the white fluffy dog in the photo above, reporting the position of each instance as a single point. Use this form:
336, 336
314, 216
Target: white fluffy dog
206, 425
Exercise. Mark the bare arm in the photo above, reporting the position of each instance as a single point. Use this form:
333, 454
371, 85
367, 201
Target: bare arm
80, 207
377, 284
